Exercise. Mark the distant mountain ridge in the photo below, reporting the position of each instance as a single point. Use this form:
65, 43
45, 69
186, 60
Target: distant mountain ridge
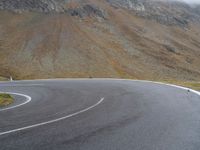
165, 12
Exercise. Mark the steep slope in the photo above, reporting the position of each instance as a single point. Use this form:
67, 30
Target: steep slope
99, 38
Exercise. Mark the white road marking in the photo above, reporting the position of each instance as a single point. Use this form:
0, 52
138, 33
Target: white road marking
161, 83
86, 79
114, 79
55, 120
28, 99
145, 81
172, 85
180, 87
82, 111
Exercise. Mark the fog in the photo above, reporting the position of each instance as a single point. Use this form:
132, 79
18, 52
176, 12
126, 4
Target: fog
192, 1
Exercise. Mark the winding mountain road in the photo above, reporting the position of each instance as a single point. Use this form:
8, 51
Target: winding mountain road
99, 114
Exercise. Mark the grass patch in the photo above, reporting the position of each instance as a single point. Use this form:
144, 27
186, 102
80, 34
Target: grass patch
192, 85
5, 99
3, 78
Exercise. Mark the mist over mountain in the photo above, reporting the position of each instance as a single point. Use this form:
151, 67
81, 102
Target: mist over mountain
140, 39
192, 1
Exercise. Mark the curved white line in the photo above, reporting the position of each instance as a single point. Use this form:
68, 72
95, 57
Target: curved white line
145, 81
55, 120
28, 99
82, 111
180, 87
172, 85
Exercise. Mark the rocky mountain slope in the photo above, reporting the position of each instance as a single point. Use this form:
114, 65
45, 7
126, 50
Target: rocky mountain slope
32, 5
143, 39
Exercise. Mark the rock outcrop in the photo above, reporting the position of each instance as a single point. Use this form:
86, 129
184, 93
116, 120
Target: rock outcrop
32, 5
86, 10
165, 12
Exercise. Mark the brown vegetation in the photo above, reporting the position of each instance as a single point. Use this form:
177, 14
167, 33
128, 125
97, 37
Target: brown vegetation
37, 45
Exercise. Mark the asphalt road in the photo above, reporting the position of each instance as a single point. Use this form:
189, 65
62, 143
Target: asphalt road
100, 115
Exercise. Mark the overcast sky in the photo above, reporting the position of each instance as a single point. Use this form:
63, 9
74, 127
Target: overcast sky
187, 1
192, 1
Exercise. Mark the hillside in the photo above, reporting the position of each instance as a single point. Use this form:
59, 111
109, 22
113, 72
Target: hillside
157, 40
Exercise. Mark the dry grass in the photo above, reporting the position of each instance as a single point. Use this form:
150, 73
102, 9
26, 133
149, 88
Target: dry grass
193, 85
122, 46
5, 99
3, 79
